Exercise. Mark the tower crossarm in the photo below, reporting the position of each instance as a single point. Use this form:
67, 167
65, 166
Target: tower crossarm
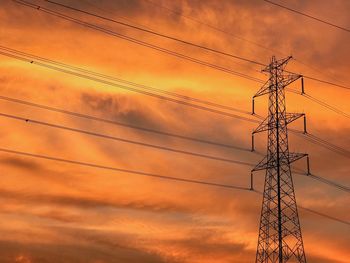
290, 117
265, 89
265, 125
267, 164
278, 64
296, 156
287, 79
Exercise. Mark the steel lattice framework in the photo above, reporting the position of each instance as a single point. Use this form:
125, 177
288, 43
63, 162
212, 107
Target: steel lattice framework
280, 238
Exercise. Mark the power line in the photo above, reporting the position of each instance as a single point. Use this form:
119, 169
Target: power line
200, 107
318, 70
327, 82
324, 144
330, 183
324, 215
109, 11
104, 136
144, 129
248, 41
158, 34
321, 80
331, 146
339, 186
309, 16
326, 105
98, 166
211, 26
320, 102
232, 35
167, 51
177, 95
136, 41
322, 180
320, 142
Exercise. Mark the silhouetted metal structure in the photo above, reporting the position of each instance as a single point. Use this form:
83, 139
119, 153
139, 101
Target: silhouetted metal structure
280, 238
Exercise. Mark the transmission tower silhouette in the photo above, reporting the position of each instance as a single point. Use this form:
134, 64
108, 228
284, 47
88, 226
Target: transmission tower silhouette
280, 239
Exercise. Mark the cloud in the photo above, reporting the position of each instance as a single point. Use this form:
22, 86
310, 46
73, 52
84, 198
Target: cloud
22, 164
75, 214
58, 253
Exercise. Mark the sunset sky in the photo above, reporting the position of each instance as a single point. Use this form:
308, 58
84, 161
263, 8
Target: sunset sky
66, 213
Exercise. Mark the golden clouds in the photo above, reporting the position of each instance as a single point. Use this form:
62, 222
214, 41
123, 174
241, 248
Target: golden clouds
54, 212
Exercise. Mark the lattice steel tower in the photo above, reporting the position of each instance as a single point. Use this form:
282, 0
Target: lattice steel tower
280, 238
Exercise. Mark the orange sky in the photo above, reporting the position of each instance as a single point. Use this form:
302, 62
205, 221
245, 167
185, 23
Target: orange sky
55, 212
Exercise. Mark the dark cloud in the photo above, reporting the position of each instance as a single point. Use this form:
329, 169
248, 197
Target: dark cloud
22, 163
121, 108
86, 202
71, 253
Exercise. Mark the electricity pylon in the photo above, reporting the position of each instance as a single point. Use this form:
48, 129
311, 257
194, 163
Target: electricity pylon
280, 238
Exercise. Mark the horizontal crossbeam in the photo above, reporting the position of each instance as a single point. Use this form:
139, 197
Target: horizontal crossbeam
268, 87
267, 164
266, 125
